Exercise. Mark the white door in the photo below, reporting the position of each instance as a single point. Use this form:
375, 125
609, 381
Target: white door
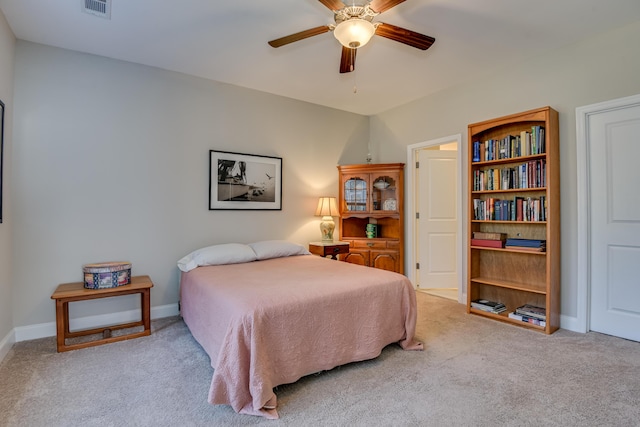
613, 147
437, 225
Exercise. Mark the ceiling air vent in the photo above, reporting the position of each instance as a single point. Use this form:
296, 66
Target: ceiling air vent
101, 8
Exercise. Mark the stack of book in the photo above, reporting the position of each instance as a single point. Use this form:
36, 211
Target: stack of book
525, 144
527, 209
488, 240
530, 314
531, 174
534, 245
489, 306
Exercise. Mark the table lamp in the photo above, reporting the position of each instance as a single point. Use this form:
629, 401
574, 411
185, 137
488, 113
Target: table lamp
327, 209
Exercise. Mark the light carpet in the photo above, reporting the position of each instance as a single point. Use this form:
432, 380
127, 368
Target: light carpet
473, 372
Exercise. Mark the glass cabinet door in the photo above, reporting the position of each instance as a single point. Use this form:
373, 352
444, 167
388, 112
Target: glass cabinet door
356, 194
384, 195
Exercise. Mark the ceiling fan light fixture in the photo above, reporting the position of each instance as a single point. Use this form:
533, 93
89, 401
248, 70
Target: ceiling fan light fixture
354, 33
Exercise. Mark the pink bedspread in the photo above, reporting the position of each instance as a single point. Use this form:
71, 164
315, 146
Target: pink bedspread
267, 323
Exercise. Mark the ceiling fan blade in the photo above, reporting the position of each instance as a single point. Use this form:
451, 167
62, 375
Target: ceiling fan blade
299, 36
405, 36
380, 6
348, 60
334, 5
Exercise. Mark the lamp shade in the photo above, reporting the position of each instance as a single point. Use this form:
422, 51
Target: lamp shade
327, 206
354, 33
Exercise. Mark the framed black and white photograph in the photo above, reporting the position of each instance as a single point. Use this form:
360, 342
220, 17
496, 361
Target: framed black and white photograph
244, 181
1, 152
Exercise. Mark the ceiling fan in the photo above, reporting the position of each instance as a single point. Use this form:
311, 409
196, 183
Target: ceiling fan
354, 27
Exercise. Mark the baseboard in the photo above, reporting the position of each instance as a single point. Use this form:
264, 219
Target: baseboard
43, 330
6, 344
571, 324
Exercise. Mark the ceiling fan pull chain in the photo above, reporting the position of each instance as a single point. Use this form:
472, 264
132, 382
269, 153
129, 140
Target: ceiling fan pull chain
355, 73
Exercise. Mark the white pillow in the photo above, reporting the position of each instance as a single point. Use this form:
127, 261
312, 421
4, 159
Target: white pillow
229, 253
277, 248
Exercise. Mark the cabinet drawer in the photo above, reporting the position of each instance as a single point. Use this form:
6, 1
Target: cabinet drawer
370, 244
393, 244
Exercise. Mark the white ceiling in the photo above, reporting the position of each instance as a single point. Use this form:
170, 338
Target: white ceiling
227, 41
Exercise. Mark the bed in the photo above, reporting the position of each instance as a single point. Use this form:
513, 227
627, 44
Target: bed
277, 313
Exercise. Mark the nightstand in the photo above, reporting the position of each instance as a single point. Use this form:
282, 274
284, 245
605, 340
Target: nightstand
72, 292
324, 249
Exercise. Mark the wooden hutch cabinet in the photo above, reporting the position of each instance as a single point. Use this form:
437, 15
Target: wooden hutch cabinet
373, 195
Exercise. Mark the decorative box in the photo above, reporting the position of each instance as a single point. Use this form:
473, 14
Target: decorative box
106, 274
372, 231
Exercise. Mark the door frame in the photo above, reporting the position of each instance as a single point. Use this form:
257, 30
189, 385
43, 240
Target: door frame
410, 253
583, 115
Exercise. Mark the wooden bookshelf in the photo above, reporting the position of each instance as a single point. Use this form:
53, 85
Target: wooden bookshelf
513, 276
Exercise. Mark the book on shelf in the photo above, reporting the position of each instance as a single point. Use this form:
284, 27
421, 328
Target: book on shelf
488, 306
487, 243
519, 202
527, 319
476, 151
525, 141
532, 311
528, 243
489, 236
524, 248
506, 210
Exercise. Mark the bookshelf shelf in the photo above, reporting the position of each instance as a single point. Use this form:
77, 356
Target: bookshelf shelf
504, 317
512, 276
483, 248
510, 160
507, 284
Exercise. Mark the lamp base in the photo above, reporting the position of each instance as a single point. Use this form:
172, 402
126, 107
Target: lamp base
326, 228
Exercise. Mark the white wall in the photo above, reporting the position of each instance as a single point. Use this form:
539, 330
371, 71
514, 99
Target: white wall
110, 159
111, 162
7, 46
602, 68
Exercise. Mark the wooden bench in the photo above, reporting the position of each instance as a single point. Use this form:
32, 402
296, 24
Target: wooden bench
71, 292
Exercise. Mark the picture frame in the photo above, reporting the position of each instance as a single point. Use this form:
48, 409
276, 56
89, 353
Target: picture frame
239, 181
1, 153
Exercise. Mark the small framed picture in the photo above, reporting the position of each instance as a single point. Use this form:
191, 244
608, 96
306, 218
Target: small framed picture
240, 181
